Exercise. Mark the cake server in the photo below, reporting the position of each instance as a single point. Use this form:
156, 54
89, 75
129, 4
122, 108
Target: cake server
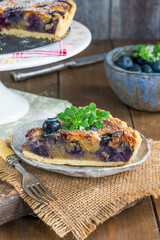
31, 184
78, 62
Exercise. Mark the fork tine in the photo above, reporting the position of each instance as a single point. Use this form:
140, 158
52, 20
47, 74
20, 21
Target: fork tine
31, 194
33, 187
45, 189
43, 193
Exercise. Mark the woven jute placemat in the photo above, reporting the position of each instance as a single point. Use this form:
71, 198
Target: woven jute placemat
85, 203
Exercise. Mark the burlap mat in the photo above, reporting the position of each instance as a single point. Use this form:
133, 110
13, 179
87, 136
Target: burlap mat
85, 203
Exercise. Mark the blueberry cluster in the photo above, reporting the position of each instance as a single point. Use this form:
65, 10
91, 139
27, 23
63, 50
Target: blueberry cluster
137, 64
120, 153
13, 15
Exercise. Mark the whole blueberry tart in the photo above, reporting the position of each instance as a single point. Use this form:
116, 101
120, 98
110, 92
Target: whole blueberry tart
84, 136
40, 18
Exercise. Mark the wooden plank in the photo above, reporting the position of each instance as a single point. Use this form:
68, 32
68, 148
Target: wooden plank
35, 85
11, 205
131, 224
96, 16
135, 19
121, 227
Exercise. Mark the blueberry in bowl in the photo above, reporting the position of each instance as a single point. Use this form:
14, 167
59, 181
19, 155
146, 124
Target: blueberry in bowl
124, 61
138, 85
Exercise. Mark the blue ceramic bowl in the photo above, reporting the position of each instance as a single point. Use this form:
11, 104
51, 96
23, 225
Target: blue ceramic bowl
138, 90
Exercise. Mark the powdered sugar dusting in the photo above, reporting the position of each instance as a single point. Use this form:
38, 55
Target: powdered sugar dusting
38, 6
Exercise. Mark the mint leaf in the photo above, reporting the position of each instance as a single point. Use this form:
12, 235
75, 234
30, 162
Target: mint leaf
104, 115
61, 116
92, 106
75, 118
69, 112
91, 119
85, 124
148, 52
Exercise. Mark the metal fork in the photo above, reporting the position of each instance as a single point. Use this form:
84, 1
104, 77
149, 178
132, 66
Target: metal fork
31, 184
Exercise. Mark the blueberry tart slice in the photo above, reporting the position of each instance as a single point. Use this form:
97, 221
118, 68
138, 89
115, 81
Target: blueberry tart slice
83, 136
40, 19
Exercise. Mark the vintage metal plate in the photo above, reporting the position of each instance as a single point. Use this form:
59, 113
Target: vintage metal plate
19, 138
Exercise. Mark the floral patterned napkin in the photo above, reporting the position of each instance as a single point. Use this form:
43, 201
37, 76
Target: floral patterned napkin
40, 108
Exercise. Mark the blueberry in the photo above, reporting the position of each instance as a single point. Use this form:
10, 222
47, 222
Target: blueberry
105, 139
38, 149
51, 125
147, 68
136, 68
141, 61
3, 23
106, 153
13, 15
155, 66
35, 23
124, 62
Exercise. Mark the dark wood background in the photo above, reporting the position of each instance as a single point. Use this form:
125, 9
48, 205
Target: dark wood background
120, 19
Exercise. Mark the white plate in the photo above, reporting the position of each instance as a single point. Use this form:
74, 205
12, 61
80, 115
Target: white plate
19, 138
78, 39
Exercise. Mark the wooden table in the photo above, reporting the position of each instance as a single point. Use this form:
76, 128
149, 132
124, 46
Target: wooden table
82, 86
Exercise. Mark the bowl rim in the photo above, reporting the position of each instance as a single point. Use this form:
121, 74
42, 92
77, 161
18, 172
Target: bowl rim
108, 60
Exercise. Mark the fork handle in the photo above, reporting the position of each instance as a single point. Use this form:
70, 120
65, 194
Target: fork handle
9, 156
15, 161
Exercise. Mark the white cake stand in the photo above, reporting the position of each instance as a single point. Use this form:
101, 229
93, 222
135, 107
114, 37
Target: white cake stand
14, 106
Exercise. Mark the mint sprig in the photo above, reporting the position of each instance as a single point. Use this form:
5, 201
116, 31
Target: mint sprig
148, 52
83, 118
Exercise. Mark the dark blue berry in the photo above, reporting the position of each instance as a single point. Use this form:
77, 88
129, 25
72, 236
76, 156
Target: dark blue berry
155, 66
136, 68
105, 139
39, 149
121, 153
141, 61
3, 23
147, 68
35, 23
13, 15
124, 62
51, 125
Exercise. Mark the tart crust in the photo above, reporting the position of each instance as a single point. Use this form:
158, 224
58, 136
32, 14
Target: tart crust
114, 124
